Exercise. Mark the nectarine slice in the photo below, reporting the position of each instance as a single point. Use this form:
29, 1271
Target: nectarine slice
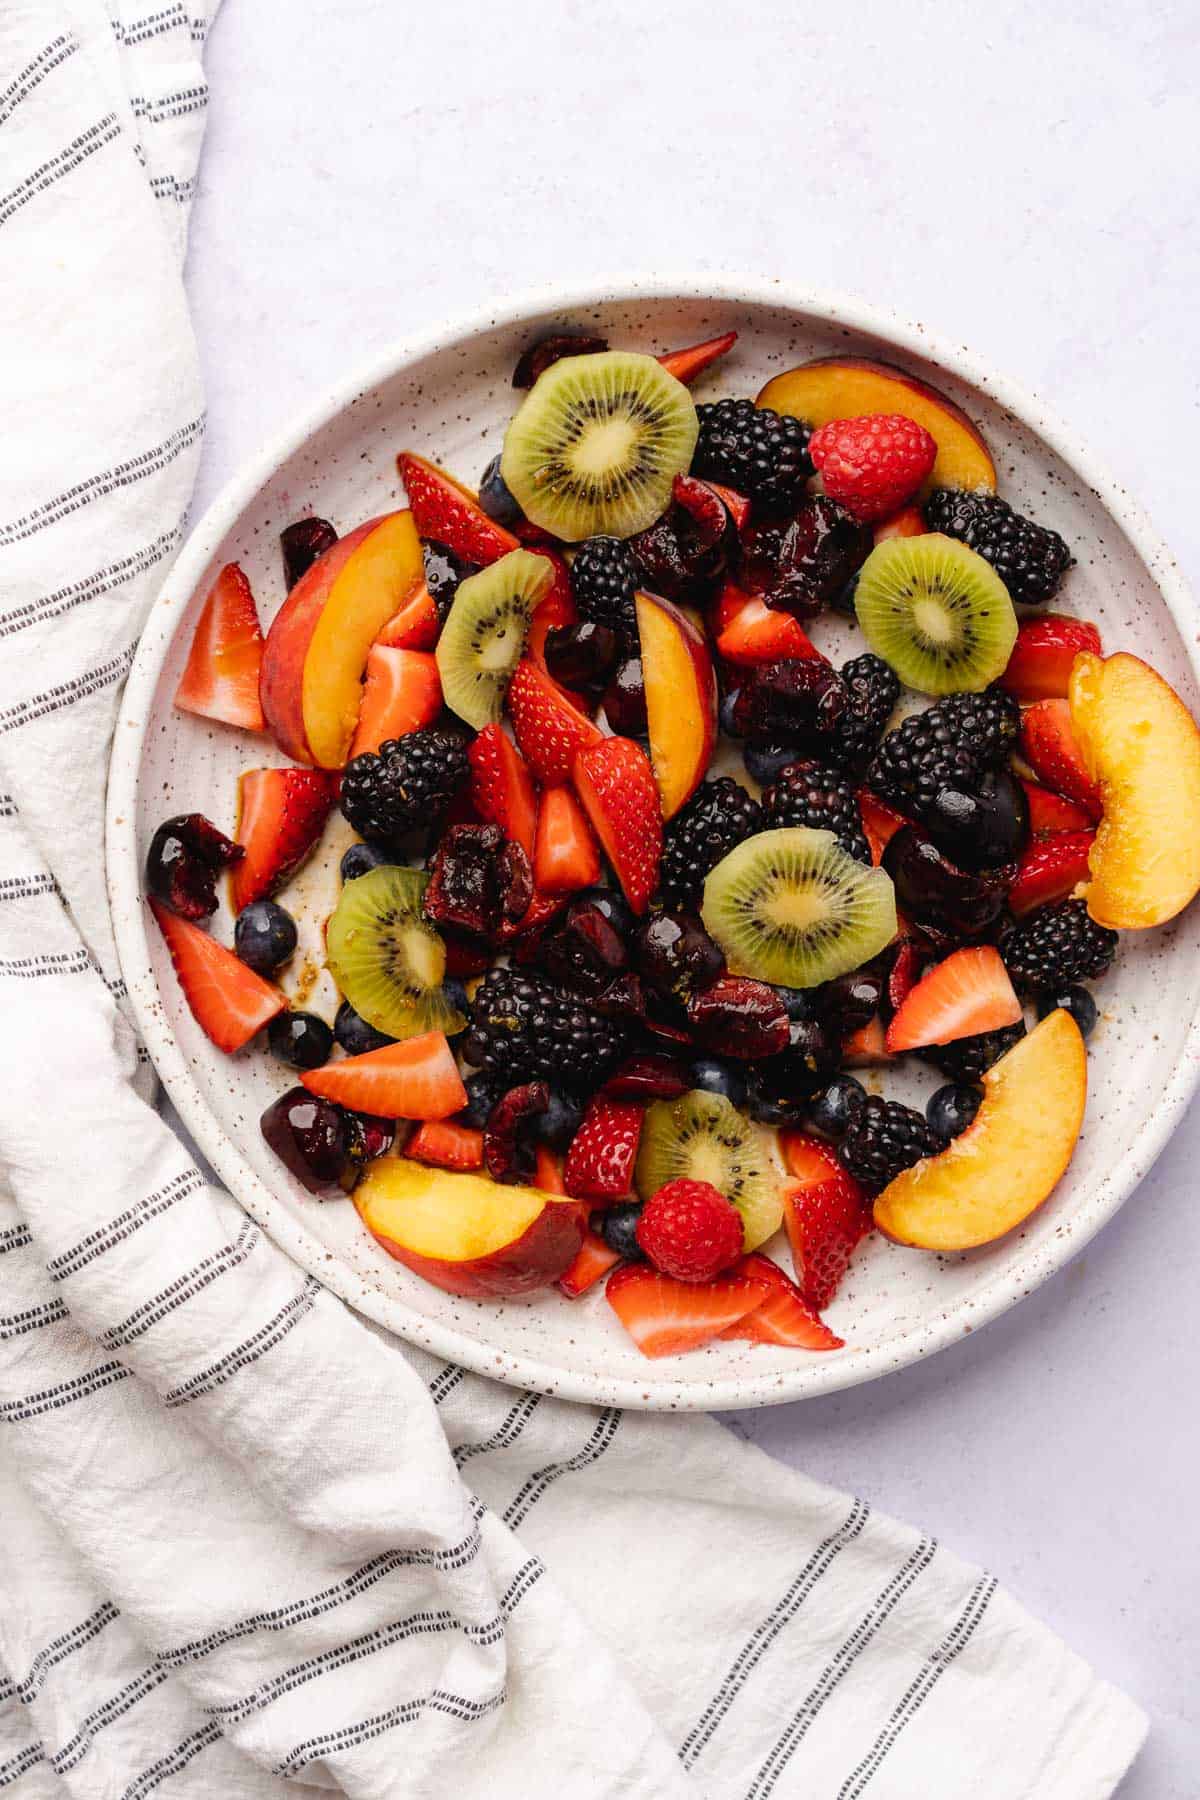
467, 1234
846, 387
1008, 1159
681, 700
1141, 747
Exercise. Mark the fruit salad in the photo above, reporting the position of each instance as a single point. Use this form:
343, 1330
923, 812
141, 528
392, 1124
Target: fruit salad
646, 898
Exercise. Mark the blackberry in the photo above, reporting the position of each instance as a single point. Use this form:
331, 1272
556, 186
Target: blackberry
1058, 946
872, 690
953, 744
604, 580
719, 816
1030, 559
965, 1059
760, 453
885, 1139
526, 1029
808, 793
405, 786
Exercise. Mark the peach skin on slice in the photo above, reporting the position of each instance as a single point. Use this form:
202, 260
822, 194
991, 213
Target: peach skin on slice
1008, 1159
1142, 749
467, 1234
317, 647
681, 699
846, 387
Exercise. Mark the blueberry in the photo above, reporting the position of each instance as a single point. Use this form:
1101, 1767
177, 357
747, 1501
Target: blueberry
456, 994
831, 1112
300, 1039
952, 1108
495, 497
360, 859
712, 1076
764, 762
354, 1034
798, 1002
843, 601
264, 936
483, 1091
727, 706
1075, 1000
617, 1225
558, 1124
614, 906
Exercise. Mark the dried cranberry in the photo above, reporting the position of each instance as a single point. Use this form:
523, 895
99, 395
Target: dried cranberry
903, 975
302, 543
625, 699
797, 701
548, 350
739, 1017
800, 564
507, 1154
624, 998
581, 656
946, 901
586, 952
678, 557
464, 889
651, 1076
310, 1137
675, 954
514, 879
186, 855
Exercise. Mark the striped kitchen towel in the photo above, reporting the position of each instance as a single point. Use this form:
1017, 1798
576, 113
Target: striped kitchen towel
248, 1542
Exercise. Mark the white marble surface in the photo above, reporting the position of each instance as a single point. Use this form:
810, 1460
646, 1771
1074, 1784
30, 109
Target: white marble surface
1021, 176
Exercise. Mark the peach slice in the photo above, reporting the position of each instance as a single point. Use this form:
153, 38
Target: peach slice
317, 647
467, 1234
845, 387
1008, 1159
681, 699
1141, 747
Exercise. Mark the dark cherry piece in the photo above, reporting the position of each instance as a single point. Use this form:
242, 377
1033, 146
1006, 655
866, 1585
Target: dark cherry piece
507, 1154
310, 1137
850, 1001
938, 895
542, 355
625, 699
780, 1087
797, 701
653, 1075
679, 558
800, 564
477, 879
982, 829
739, 1017
369, 1135
586, 952
581, 656
186, 855
302, 543
674, 953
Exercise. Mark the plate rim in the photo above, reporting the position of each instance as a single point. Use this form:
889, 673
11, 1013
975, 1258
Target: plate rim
813, 1376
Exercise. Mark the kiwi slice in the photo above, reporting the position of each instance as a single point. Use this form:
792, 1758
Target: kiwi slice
936, 612
703, 1137
791, 907
597, 444
386, 957
484, 633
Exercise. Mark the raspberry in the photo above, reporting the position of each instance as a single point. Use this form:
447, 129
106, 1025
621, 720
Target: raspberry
872, 465
691, 1231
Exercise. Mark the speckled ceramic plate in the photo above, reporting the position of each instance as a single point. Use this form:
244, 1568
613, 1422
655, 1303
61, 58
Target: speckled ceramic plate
449, 396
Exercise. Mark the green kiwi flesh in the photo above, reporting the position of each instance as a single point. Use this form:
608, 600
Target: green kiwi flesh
386, 957
703, 1137
936, 612
597, 443
790, 907
481, 642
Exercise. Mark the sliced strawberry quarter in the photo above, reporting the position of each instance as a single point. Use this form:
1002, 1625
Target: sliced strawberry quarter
228, 1000
414, 627
1050, 871
565, 854
880, 823
416, 1078
826, 1213
446, 1145
616, 784
665, 1317
446, 512
402, 692
281, 814
758, 633
1050, 813
969, 993
502, 789
785, 1317
600, 1161
1050, 747
687, 365
1040, 665
548, 726
225, 661
595, 1259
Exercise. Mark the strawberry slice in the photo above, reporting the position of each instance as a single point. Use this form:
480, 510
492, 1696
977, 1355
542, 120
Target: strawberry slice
826, 1214
565, 856
908, 522
665, 1317
1040, 665
600, 1161
448, 513
967, 994
785, 1317
542, 909
446, 1145
555, 610
620, 796
1050, 871
281, 814
687, 365
879, 822
417, 1078
402, 693
415, 626
902, 976
595, 1259
502, 789
866, 1048
1050, 748
758, 633
550, 729
228, 1000
1050, 813
225, 661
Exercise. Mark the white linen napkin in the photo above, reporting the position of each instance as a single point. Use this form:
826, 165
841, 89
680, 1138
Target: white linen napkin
248, 1541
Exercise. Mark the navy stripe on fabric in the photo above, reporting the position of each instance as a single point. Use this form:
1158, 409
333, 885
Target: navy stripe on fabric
90, 587
35, 72
205, 1381
602, 1437
123, 474
104, 131
115, 1231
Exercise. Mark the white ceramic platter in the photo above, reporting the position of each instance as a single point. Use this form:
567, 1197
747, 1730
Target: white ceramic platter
449, 396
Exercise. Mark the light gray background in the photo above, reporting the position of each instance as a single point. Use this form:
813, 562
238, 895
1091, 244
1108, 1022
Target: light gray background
1023, 177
